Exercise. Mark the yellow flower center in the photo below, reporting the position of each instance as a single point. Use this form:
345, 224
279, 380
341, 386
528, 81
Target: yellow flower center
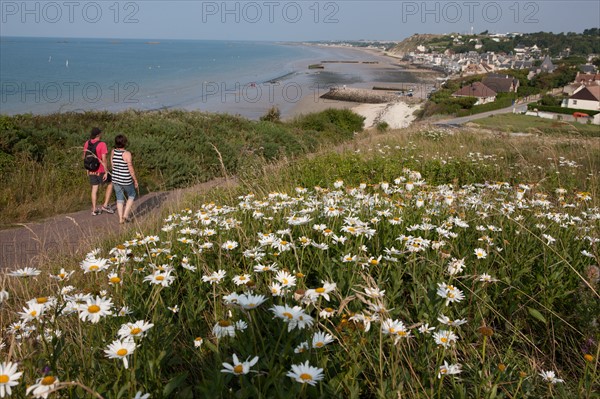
94, 267
238, 369
122, 352
328, 310
48, 380
402, 333
299, 275
319, 344
93, 309
61, 275
392, 330
224, 323
42, 299
121, 247
115, 280
444, 339
242, 278
283, 242
284, 281
306, 377
450, 295
374, 261
135, 331
160, 278
4, 379
288, 315
33, 313
320, 290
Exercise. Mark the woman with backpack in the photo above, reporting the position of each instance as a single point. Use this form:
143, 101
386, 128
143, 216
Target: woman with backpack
94, 161
123, 177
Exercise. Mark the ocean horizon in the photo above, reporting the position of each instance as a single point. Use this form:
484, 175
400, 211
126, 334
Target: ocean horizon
49, 74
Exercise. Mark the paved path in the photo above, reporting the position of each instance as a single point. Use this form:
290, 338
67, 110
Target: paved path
74, 234
518, 108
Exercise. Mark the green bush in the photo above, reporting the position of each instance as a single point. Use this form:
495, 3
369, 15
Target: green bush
559, 110
170, 149
342, 121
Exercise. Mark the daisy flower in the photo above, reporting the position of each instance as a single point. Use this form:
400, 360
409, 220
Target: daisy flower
224, 328
374, 292
241, 279
450, 293
137, 329
449, 369
320, 339
198, 341
94, 309
425, 329
395, 327
120, 349
486, 278
550, 376
239, 368
285, 278
215, 277
480, 253
160, 278
449, 322
301, 348
43, 386
32, 312
295, 317
327, 313
250, 301
8, 377
321, 291
62, 275
25, 272
229, 245
305, 373
114, 279
93, 265
445, 338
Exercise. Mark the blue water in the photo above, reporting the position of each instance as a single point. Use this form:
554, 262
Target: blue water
43, 75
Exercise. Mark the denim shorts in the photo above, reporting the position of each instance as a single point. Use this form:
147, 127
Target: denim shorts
98, 179
121, 190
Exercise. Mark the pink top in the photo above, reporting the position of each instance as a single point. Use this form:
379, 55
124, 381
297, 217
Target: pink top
101, 150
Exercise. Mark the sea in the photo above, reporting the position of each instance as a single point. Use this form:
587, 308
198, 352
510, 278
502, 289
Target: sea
47, 75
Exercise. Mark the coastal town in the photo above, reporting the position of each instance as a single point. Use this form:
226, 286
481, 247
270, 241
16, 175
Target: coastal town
564, 82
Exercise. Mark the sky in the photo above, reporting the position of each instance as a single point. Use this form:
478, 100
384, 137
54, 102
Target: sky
301, 20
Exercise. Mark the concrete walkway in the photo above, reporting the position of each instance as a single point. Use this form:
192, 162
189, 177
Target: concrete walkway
75, 234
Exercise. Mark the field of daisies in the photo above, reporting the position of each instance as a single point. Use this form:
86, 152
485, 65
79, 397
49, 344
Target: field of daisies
437, 265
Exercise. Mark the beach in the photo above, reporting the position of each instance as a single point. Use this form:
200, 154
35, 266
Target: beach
368, 69
239, 78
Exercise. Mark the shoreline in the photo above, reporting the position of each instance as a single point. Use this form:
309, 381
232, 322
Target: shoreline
293, 87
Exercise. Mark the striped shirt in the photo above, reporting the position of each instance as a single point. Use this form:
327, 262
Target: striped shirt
120, 172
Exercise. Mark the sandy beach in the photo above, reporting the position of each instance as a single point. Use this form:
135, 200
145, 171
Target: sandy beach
372, 69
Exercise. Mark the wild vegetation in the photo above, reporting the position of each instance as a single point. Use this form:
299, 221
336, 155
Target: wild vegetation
442, 102
41, 168
423, 264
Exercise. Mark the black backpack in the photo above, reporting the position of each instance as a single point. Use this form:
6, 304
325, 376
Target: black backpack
91, 161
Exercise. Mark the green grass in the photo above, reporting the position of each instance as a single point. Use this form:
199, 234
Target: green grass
530, 202
41, 167
536, 125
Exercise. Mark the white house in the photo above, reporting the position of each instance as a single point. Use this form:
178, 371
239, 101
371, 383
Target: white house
585, 98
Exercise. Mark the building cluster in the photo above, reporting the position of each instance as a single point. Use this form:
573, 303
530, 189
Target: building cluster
475, 63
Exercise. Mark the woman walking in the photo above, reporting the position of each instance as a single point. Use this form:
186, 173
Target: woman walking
123, 177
